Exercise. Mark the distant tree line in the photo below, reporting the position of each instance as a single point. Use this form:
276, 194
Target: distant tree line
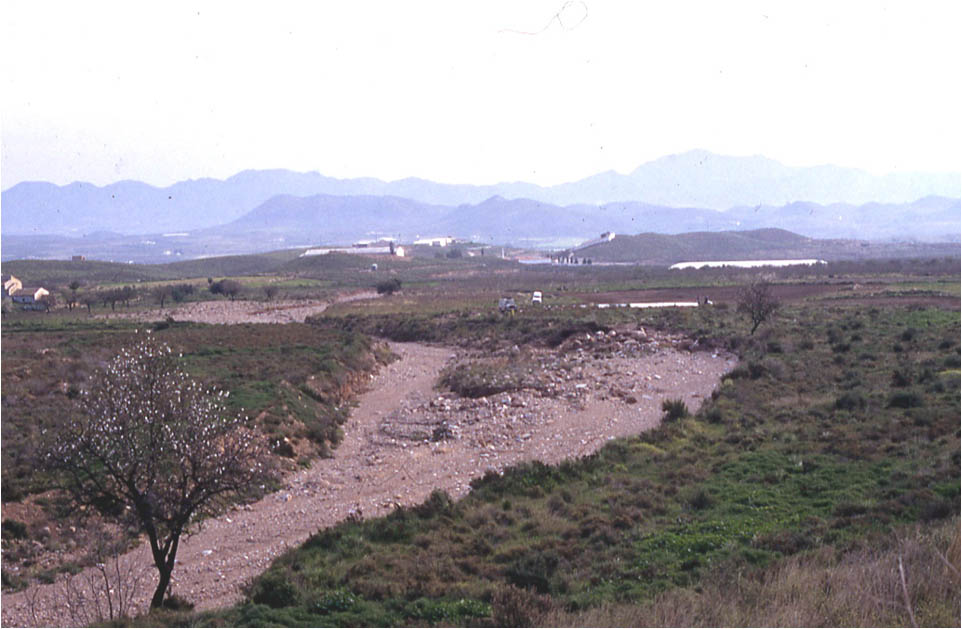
73, 296
76, 295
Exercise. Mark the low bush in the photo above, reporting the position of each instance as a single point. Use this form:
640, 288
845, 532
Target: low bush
274, 589
673, 410
14, 529
333, 601
905, 399
850, 401
517, 607
388, 287
483, 378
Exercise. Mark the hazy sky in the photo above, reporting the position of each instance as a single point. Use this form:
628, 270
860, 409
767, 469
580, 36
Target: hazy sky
543, 91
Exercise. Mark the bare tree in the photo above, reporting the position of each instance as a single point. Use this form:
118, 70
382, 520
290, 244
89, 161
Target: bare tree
152, 441
47, 302
70, 298
88, 299
180, 292
757, 301
127, 294
162, 293
112, 296
270, 291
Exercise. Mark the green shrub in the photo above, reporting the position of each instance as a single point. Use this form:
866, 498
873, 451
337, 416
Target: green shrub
445, 612
388, 287
700, 499
850, 401
516, 607
14, 529
333, 601
478, 379
905, 399
901, 378
438, 503
274, 590
714, 415
674, 410
534, 570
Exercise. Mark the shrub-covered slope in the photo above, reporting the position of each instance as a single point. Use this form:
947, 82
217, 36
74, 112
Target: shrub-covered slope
840, 426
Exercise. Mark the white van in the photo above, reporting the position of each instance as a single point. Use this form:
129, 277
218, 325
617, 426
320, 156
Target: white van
536, 297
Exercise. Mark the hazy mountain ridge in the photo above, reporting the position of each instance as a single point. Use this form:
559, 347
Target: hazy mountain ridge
517, 221
697, 179
288, 221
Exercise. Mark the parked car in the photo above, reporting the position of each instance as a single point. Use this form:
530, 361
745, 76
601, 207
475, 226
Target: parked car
536, 297
506, 304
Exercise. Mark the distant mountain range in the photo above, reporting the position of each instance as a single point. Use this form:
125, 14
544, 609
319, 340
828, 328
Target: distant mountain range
663, 192
290, 222
523, 222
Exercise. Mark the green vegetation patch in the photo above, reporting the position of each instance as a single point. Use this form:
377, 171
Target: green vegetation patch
296, 380
772, 467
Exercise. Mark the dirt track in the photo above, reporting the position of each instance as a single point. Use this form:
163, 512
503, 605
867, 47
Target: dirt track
368, 476
241, 311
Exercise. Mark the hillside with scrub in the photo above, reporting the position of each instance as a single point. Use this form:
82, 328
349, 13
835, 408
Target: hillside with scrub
815, 482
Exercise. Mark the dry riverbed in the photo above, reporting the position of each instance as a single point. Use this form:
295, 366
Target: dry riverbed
406, 439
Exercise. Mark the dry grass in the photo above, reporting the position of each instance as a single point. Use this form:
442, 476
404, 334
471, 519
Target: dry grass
861, 587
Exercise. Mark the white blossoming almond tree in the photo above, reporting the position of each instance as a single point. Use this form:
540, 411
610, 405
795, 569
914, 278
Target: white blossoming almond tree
150, 441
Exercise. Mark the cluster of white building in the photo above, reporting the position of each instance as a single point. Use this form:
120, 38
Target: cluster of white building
381, 246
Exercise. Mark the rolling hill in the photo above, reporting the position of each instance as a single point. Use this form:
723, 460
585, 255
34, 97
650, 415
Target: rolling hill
759, 244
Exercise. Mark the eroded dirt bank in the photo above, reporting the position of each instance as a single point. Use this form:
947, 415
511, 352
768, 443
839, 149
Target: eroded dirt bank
242, 311
393, 454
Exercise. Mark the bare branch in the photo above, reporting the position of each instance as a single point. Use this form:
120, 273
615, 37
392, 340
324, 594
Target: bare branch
758, 302
905, 593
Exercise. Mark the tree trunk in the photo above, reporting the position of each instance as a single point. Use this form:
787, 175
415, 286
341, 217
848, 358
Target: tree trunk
162, 586
164, 564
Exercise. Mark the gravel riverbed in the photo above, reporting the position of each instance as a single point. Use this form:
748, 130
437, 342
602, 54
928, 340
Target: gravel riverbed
406, 439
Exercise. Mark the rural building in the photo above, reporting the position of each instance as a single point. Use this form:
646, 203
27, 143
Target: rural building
29, 294
435, 242
365, 250
78, 258
11, 285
